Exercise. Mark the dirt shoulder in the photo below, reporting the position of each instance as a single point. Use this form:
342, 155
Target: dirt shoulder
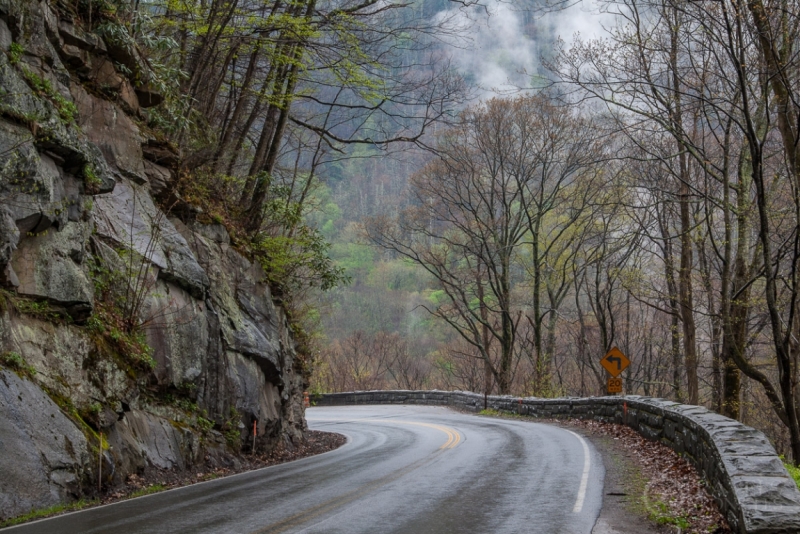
623, 511
316, 442
659, 486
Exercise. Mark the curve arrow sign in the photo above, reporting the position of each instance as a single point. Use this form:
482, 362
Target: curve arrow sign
615, 362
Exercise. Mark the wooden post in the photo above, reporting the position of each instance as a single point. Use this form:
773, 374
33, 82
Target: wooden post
255, 430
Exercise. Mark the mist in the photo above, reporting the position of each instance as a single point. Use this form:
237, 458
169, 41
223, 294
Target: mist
500, 47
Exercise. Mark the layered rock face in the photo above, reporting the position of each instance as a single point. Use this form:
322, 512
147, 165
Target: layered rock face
81, 233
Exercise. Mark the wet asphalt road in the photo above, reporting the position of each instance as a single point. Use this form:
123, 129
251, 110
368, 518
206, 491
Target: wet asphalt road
405, 469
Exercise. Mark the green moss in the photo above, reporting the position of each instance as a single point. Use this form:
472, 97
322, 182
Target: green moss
5, 300
69, 409
46, 512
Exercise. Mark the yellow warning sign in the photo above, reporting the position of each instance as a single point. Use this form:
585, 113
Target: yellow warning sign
615, 362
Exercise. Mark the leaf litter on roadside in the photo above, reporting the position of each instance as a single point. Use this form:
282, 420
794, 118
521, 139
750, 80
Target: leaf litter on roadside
674, 493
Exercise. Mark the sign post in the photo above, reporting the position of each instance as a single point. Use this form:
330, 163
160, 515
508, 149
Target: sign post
615, 362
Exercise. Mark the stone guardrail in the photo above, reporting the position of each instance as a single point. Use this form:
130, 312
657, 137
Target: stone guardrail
744, 474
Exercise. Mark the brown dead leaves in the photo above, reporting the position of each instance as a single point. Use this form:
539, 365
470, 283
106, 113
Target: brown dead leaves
675, 494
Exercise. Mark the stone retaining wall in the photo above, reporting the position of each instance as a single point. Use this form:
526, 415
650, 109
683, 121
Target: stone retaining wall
743, 472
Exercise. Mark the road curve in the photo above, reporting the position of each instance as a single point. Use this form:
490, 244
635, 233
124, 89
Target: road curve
405, 469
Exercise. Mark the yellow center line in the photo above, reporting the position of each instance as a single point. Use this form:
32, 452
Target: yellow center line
453, 439
453, 436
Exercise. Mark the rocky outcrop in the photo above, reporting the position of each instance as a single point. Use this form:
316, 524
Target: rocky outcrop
44, 455
85, 252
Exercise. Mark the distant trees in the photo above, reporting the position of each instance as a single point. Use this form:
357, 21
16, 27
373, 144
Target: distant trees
363, 362
707, 92
506, 189
665, 220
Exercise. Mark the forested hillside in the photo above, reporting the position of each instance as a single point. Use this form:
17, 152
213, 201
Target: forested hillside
645, 199
355, 194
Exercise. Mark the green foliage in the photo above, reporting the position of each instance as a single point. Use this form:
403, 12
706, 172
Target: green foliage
299, 261
437, 297
180, 401
15, 53
660, 513
161, 74
294, 255
90, 176
354, 258
41, 309
115, 324
230, 429
17, 363
233, 438
112, 339
147, 490
204, 425
794, 472
66, 109
47, 512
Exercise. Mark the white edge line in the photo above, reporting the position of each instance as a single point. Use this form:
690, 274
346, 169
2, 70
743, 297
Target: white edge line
217, 480
585, 477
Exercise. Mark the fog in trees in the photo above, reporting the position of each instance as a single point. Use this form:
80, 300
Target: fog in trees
674, 238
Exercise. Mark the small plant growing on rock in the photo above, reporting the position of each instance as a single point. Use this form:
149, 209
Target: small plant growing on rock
15, 53
230, 429
111, 339
41, 309
233, 438
17, 363
794, 472
90, 177
66, 109
204, 424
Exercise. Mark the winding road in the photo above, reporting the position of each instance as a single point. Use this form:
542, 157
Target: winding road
405, 469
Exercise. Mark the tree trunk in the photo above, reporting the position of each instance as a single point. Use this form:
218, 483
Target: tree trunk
220, 156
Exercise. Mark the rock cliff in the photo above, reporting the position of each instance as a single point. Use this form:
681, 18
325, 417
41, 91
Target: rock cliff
129, 337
